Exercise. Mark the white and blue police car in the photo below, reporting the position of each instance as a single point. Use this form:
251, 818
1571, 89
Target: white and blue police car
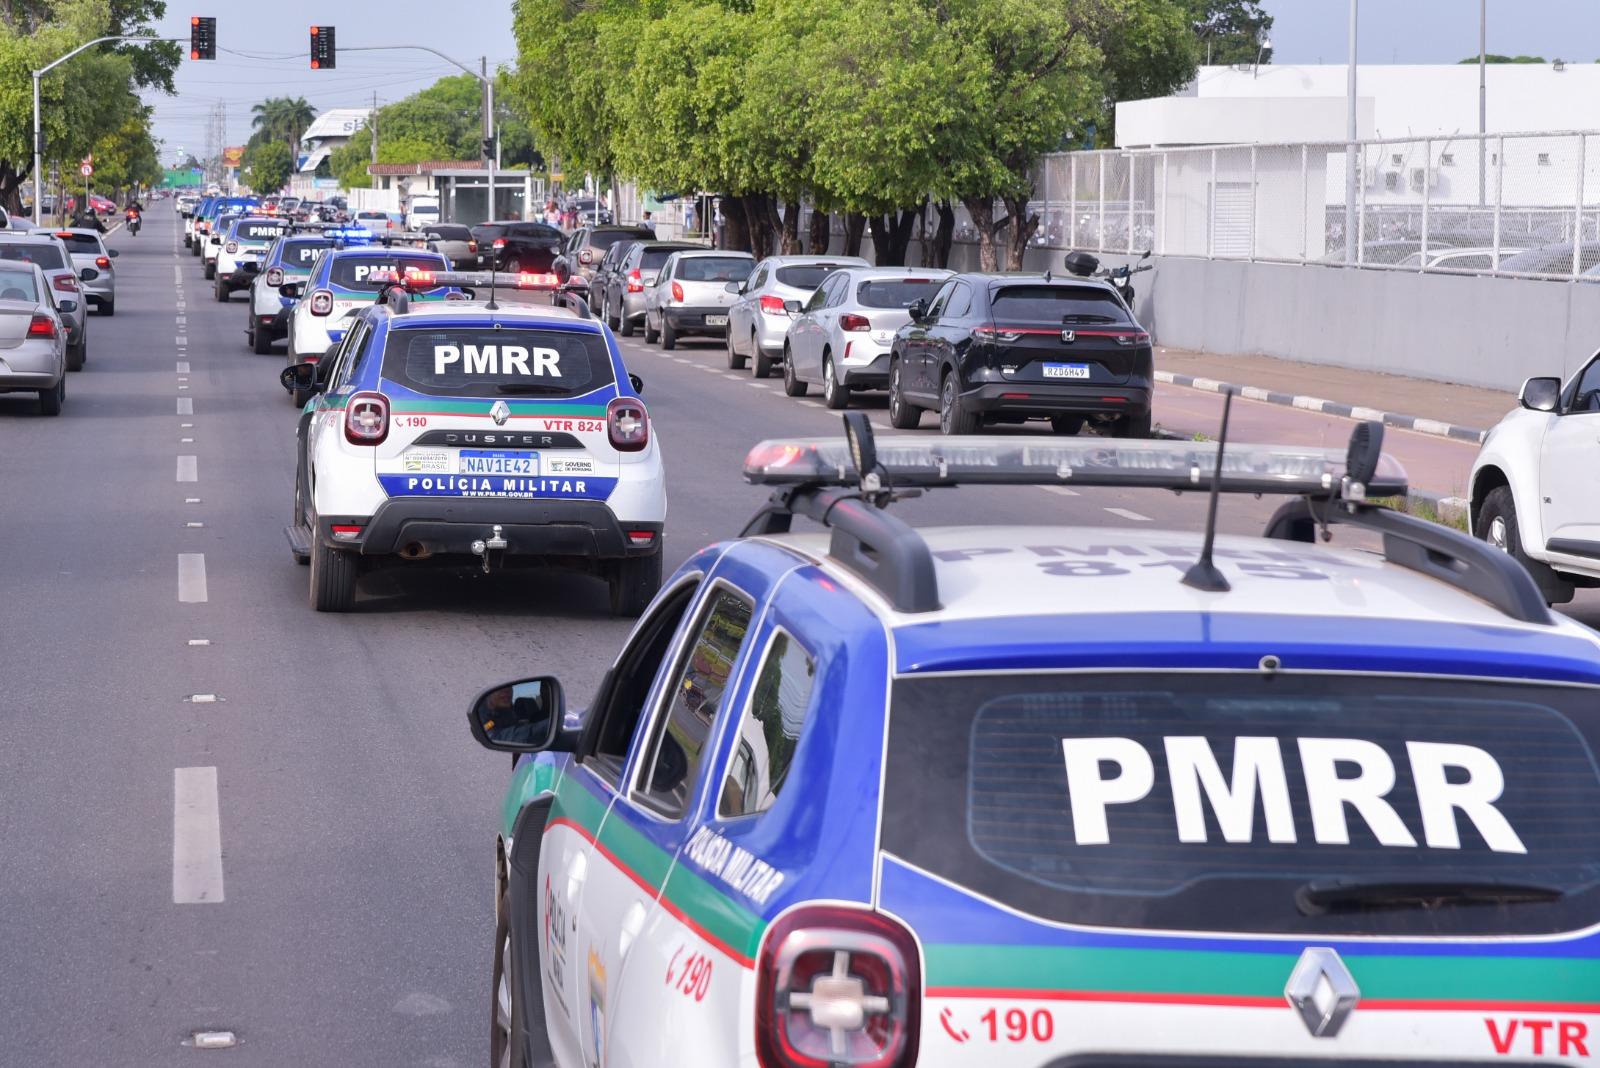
466, 432
1036, 796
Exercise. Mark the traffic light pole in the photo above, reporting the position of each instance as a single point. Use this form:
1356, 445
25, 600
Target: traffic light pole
38, 131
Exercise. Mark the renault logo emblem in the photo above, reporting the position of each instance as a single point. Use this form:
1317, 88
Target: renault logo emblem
500, 413
1068, 336
1322, 990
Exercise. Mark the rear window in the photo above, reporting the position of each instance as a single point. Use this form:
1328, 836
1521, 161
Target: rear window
425, 209
1056, 304
450, 233
895, 292
466, 361
355, 272
534, 232
714, 269
260, 231
17, 285
304, 253
81, 244
653, 259
1227, 802
47, 256
607, 238
806, 276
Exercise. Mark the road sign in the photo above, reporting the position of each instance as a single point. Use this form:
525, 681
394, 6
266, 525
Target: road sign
86, 169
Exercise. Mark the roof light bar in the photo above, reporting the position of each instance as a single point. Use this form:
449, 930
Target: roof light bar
1171, 465
412, 278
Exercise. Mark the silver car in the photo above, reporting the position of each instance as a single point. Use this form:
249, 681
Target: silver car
691, 295
92, 260
45, 251
840, 338
454, 242
33, 340
757, 321
621, 293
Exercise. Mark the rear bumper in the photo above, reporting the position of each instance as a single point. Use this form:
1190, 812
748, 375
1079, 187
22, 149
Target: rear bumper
874, 375
693, 321
532, 528
1032, 398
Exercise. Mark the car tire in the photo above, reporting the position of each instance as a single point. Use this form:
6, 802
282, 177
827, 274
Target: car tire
260, 342
504, 1044
78, 355
108, 306
50, 400
1497, 525
953, 415
669, 336
903, 415
634, 581
333, 575
1132, 425
763, 364
735, 361
221, 289
210, 271
627, 329
834, 394
615, 317
649, 334
1066, 424
792, 386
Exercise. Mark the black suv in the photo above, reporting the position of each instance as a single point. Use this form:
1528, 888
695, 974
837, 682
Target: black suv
1005, 348
518, 246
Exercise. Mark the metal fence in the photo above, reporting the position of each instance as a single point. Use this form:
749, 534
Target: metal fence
1515, 204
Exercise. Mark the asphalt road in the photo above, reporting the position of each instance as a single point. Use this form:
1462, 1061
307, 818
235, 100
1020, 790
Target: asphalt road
306, 859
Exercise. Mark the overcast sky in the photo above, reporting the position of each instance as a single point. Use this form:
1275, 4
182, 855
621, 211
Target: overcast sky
263, 50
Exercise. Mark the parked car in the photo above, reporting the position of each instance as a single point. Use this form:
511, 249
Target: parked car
841, 336
97, 276
691, 295
588, 244
47, 252
758, 318
1458, 259
523, 247
1006, 348
620, 296
1553, 260
33, 339
605, 271
454, 242
379, 222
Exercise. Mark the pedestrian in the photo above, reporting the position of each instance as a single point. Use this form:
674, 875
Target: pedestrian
649, 222
688, 216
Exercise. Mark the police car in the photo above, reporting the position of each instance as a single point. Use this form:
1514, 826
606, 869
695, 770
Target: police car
243, 248
1060, 796
289, 259
475, 433
342, 282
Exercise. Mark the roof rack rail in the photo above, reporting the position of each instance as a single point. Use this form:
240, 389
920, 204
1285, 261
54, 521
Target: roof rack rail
1470, 565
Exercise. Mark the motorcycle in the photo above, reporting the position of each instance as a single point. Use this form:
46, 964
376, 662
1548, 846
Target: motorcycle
134, 223
1086, 266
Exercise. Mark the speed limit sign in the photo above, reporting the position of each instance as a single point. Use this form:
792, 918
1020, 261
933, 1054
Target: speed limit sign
86, 169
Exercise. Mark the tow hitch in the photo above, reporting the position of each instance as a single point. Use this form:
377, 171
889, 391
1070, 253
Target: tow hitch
483, 548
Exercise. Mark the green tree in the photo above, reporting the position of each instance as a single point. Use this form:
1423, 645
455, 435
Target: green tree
282, 118
268, 166
1494, 58
1230, 31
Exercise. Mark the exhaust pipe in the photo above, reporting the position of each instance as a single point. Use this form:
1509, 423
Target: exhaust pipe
415, 551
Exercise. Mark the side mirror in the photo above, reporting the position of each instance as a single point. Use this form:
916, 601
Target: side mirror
291, 289
734, 288
299, 377
68, 305
918, 309
792, 307
1541, 394
519, 717
1146, 255
113, 253
562, 270
636, 382
88, 274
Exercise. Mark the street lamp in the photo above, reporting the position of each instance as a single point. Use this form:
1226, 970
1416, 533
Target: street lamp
1264, 47
1350, 175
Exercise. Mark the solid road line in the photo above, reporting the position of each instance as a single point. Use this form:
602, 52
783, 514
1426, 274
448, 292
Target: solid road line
188, 468
196, 837
1130, 515
192, 578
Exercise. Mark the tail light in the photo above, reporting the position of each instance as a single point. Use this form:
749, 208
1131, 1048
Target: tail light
499, 242
231, 247
65, 282
42, 326
584, 256
627, 424
838, 986
274, 277
1140, 338
103, 263
635, 281
366, 419
346, 531
772, 306
472, 246
677, 292
995, 334
322, 302
854, 323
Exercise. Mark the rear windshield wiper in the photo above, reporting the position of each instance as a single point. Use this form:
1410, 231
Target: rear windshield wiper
1089, 317
1321, 897
511, 387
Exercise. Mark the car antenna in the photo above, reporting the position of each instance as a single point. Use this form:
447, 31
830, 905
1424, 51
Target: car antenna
492, 306
1203, 573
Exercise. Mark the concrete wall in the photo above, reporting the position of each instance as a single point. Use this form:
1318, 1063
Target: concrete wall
1469, 329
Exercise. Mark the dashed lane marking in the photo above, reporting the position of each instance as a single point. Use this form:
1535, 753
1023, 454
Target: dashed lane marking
196, 837
758, 385
183, 367
185, 405
1061, 491
188, 469
1128, 514
191, 578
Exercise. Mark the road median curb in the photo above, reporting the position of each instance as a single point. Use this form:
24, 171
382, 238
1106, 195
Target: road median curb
1327, 407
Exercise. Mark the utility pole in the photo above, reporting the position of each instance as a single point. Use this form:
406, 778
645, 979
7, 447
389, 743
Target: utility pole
1483, 99
491, 146
374, 125
1351, 166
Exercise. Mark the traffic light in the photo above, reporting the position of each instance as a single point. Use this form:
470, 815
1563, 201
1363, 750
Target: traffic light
488, 148
322, 48
202, 38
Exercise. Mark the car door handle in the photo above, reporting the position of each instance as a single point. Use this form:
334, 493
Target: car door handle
632, 924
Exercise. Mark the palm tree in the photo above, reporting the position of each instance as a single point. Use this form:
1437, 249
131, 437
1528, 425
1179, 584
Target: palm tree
296, 116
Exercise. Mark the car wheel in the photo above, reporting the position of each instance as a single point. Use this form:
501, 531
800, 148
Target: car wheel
260, 342
78, 355
763, 364
627, 329
834, 395
1497, 525
634, 581
333, 575
792, 386
903, 415
615, 317
50, 399
1133, 425
649, 334
221, 291
669, 336
210, 271
501, 998
953, 416
1066, 424
735, 361
108, 306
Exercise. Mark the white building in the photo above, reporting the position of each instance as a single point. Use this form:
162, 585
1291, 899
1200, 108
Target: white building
327, 132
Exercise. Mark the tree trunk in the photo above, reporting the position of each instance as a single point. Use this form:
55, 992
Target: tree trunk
821, 233
936, 253
11, 188
1023, 227
982, 211
736, 224
789, 245
883, 240
854, 224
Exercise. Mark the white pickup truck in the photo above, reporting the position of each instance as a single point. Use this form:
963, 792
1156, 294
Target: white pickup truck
1536, 482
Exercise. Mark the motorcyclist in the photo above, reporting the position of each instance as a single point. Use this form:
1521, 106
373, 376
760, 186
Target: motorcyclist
86, 219
135, 216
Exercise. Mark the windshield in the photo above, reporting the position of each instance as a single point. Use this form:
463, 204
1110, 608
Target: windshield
352, 272
45, 255
1056, 304
714, 269
1208, 801
17, 285
895, 292
509, 362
